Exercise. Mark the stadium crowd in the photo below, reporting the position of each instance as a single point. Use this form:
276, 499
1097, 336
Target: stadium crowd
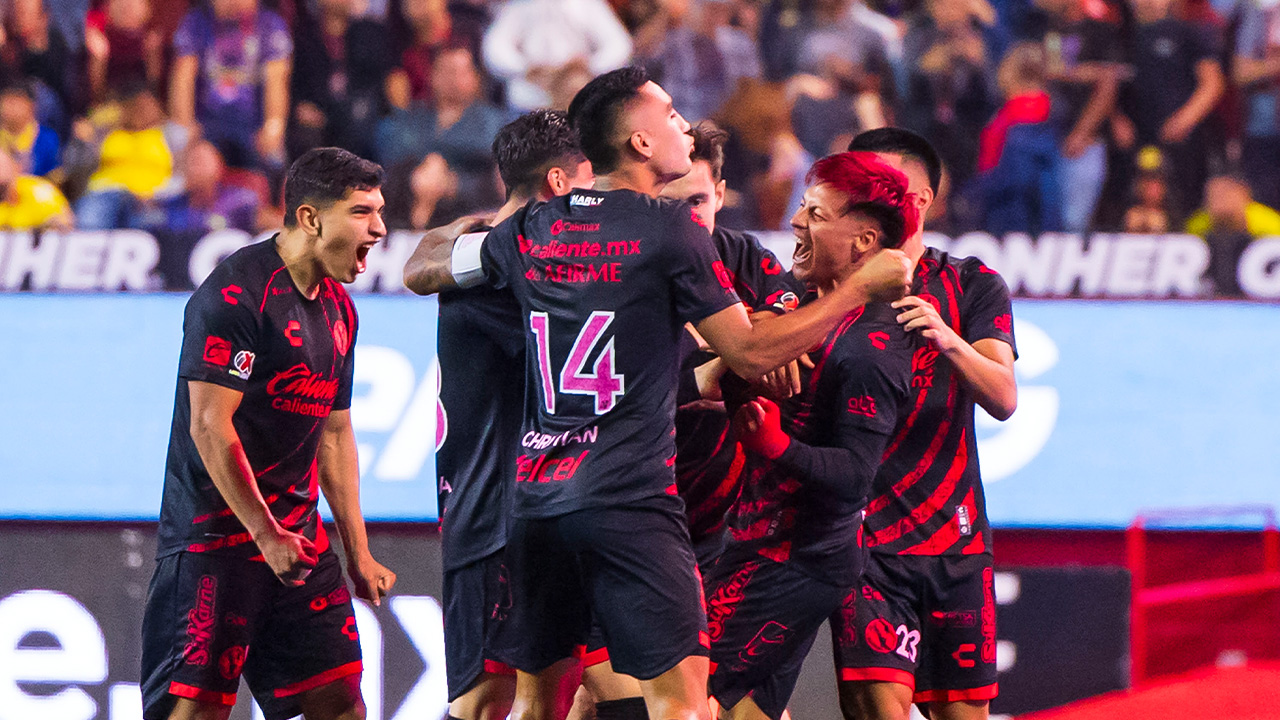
1075, 115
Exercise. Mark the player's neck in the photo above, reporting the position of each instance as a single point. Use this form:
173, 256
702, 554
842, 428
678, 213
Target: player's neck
914, 247
509, 208
636, 177
295, 251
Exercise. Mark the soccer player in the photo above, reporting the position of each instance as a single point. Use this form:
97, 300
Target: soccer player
710, 462
606, 280
921, 628
481, 354
245, 580
794, 552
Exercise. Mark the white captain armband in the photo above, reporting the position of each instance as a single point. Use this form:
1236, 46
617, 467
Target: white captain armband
465, 263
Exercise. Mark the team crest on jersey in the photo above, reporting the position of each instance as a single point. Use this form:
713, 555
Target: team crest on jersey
341, 339
242, 366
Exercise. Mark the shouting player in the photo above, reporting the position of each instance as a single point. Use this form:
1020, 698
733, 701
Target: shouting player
245, 580
794, 552
922, 625
606, 280
481, 353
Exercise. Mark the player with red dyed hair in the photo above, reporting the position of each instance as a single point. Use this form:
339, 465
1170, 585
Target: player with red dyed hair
794, 551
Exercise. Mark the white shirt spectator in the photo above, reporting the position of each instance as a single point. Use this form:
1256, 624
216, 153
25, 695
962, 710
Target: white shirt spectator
549, 35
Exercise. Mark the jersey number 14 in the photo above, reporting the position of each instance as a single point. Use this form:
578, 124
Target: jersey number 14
603, 381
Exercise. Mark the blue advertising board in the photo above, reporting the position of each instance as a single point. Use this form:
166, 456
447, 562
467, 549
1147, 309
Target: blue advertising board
1122, 406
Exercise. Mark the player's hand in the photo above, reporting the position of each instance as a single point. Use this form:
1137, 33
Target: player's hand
372, 579
782, 383
759, 428
920, 314
291, 556
886, 276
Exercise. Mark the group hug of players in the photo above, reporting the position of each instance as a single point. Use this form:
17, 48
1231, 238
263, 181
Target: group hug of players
668, 461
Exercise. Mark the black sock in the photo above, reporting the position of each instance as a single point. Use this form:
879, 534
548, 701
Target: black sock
631, 708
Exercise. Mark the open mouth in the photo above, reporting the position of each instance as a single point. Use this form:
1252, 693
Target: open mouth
362, 253
803, 252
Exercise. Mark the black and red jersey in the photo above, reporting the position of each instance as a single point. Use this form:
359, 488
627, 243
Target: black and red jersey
480, 347
805, 506
606, 282
709, 460
249, 329
927, 498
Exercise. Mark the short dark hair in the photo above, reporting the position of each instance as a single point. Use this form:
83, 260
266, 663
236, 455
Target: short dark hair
872, 188
529, 146
19, 86
903, 142
323, 176
708, 146
595, 110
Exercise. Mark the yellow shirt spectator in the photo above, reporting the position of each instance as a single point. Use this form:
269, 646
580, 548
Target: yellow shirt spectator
33, 202
138, 161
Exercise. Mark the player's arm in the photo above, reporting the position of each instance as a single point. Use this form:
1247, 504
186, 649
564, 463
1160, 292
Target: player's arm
290, 555
430, 268
339, 471
751, 350
985, 366
867, 412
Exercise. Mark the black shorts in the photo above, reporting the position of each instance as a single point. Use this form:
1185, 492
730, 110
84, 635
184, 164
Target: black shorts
631, 568
762, 617
211, 618
707, 551
477, 628
927, 622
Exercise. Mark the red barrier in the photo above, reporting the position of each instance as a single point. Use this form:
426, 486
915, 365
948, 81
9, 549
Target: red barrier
1147, 599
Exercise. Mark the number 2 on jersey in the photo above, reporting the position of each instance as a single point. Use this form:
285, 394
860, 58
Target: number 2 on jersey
603, 382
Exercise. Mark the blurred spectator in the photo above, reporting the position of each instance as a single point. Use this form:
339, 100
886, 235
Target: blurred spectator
1230, 220
679, 52
532, 44
846, 69
442, 154
1019, 165
768, 161
431, 28
798, 34
122, 47
31, 47
207, 202
1229, 206
734, 24
948, 91
1149, 212
231, 78
36, 147
1084, 56
340, 63
1177, 82
28, 202
1257, 71
135, 161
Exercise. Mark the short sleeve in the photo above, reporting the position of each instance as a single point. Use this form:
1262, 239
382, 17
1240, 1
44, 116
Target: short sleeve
499, 254
701, 285
342, 401
189, 39
219, 337
276, 42
986, 310
1205, 42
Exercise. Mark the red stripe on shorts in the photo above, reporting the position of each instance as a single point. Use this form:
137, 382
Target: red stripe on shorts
323, 678
986, 692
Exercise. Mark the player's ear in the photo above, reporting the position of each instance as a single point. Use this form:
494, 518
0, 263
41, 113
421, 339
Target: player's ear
556, 181
720, 186
308, 218
865, 242
639, 141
